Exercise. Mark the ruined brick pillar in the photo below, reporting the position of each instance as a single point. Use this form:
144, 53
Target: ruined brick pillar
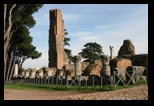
56, 39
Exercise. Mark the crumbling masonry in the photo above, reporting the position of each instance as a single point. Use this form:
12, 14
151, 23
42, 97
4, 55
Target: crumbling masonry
56, 39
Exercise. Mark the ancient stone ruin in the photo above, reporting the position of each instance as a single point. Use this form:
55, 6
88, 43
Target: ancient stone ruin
126, 61
94, 68
127, 48
57, 56
77, 65
111, 52
16, 70
27, 73
136, 72
106, 67
69, 69
48, 72
139, 60
32, 73
120, 65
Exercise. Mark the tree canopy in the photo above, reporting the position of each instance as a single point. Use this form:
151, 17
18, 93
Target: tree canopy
18, 20
66, 39
92, 51
66, 43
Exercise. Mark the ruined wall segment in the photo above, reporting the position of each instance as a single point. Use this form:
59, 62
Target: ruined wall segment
56, 39
127, 48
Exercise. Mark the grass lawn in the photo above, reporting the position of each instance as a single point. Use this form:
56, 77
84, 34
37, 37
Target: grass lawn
63, 87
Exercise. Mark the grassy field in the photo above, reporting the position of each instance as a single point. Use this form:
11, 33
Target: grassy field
63, 87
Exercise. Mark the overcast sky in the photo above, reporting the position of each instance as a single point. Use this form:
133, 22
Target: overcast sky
105, 24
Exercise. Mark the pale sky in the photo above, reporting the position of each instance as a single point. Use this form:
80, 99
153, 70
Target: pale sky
105, 24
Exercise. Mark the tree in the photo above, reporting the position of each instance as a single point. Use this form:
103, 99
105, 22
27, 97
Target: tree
16, 16
26, 51
92, 51
20, 49
66, 42
7, 31
22, 43
68, 52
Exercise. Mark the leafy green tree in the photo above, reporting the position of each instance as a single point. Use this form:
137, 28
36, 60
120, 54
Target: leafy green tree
15, 17
92, 51
12, 54
66, 42
20, 49
68, 52
26, 51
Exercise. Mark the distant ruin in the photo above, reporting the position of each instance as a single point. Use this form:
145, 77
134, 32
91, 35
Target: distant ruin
57, 56
126, 68
127, 48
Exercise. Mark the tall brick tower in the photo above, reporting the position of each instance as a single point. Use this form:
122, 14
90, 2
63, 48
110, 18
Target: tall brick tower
56, 39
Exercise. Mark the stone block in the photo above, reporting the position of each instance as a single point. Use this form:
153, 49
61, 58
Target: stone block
135, 72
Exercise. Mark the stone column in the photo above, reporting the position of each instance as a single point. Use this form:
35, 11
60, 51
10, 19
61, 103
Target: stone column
78, 65
49, 73
16, 70
32, 73
106, 67
22, 72
27, 73
111, 51
40, 73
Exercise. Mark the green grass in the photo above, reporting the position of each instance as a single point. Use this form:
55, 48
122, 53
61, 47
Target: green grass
63, 87
50, 87
24, 87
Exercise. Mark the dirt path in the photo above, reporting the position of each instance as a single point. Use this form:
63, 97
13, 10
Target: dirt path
35, 94
134, 93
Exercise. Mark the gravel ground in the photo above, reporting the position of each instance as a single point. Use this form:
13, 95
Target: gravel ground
134, 93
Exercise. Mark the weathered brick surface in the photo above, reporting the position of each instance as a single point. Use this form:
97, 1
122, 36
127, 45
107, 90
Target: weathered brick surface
120, 63
56, 39
84, 65
49, 71
94, 68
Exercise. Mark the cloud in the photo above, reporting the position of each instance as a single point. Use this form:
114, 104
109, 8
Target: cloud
106, 24
134, 29
141, 47
39, 31
37, 63
84, 29
81, 34
89, 38
42, 17
102, 27
70, 16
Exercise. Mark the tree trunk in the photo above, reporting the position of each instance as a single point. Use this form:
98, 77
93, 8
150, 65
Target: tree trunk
8, 70
21, 63
6, 49
8, 30
5, 9
7, 36
5, 64
4, 68
7, 33
12, 68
